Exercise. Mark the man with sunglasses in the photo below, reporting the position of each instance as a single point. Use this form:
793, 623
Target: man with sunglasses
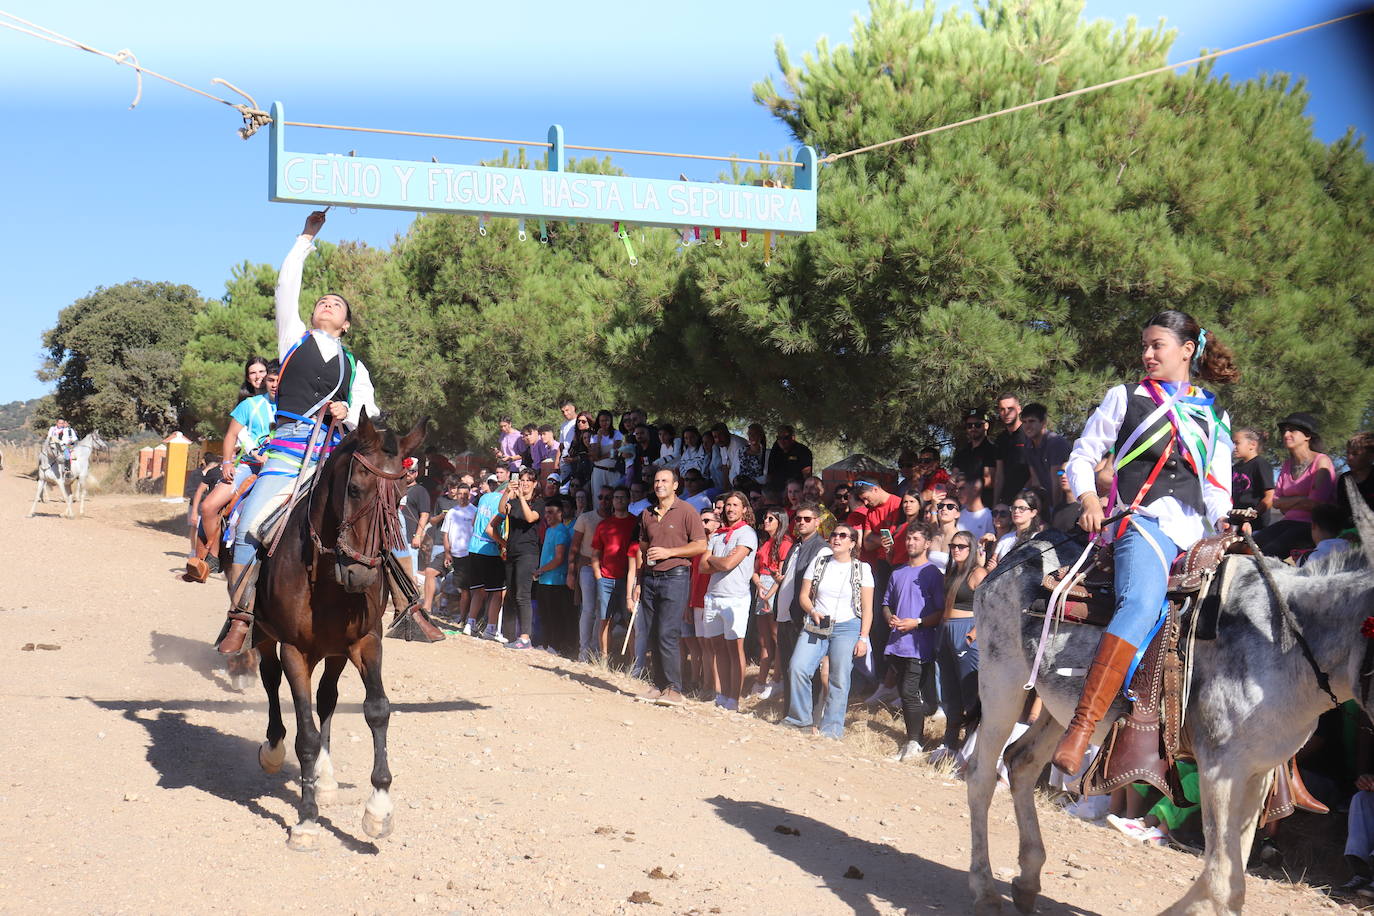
808, 544
977, 457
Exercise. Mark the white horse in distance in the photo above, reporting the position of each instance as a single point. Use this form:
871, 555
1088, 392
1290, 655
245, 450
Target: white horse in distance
50, 472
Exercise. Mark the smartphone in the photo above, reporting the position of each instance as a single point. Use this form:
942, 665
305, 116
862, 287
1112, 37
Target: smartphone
885, 533
825, 622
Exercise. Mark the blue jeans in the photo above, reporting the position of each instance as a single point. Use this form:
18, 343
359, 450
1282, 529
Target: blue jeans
610, 596
957, 664
278, 475
806, 658
591, 600
1142, 578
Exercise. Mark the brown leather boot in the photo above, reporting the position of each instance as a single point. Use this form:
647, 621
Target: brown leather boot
1301, 797
243, 585
1105, 677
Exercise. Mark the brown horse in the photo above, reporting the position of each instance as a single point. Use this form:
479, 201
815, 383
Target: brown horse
321, 596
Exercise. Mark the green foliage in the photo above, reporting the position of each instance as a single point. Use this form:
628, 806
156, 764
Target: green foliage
223, 338
15, 420
116, 358
1025, 252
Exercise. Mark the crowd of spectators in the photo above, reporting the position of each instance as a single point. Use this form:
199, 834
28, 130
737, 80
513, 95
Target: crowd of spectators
721, 568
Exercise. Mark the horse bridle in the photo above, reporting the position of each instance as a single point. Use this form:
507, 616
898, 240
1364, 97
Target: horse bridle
376, 518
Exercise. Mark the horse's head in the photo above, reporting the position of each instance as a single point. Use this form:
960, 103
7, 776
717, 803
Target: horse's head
96, 441
364, 479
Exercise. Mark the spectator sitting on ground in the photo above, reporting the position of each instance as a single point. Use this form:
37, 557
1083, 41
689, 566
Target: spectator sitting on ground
837, 597
1306, 480
1327, 526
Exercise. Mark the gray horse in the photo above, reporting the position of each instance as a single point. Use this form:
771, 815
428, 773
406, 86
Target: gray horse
50, 472
1254, 701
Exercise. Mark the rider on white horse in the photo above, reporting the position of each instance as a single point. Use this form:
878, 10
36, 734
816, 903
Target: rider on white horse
61, 438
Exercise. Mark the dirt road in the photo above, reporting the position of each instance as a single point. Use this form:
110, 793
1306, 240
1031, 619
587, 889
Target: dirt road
523, 782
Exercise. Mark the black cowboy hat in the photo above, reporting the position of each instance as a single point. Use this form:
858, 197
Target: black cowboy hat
1301, 421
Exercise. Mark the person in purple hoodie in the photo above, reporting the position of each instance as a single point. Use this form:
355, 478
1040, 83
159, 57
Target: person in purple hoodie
914, 605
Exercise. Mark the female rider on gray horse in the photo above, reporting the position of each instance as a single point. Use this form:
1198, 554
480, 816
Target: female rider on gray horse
317, 373
1171, 450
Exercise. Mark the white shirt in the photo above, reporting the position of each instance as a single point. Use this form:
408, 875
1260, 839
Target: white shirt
735, 583
1183, 525
638, 506
566, 434
727, 458
290, 328
698, 502
976, 523
835, 594
457, 528
1326, 547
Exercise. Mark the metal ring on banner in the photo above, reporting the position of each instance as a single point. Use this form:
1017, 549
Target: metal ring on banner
718, 241
482, 224
543, 233
767, 248
744, 238
520, 230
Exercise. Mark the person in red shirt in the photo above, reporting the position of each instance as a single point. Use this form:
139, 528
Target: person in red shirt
694, 657
767, 564
610, 561
882, 515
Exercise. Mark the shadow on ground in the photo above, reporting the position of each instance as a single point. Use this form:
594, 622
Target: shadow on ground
904, 879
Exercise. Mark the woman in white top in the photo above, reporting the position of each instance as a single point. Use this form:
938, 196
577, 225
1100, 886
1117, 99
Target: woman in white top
604, 451
837, 598
1171, 477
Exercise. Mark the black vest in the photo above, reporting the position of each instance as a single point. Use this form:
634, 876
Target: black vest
1177, 478
308, 379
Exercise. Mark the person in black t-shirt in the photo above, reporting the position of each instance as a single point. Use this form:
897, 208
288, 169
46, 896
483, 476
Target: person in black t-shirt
523, 511
788, 459
1252, 477
1359, 454
415, 506
977, 457
1012, 474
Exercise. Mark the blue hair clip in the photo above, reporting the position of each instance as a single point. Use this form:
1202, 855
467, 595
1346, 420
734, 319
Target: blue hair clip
1201, 345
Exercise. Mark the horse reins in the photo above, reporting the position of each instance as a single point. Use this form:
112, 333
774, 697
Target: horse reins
376, 519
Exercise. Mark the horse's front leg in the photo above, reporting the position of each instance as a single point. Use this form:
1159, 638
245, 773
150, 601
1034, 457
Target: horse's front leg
1001, 701
272, 752
367, 655
1230, 809
297, 667
1026, 759
326, 699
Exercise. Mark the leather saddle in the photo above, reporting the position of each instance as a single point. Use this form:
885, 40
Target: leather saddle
1143, 744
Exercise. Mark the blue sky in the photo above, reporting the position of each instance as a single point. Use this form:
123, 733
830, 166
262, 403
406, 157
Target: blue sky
96, 194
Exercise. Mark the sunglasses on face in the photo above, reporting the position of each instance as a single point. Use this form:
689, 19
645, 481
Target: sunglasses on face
1002, 513
1021, 509
805, 518
959, 546
842, 535
973, 426
949, 506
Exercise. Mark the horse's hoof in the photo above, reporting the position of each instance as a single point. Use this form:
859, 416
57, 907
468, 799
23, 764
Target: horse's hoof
1023, 897
376, 827
303, 839
271, 759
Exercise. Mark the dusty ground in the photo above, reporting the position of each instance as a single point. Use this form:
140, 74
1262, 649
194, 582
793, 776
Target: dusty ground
524, 783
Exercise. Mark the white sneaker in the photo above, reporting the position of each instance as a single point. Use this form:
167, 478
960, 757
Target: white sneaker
768, 691
467, 628
910, 751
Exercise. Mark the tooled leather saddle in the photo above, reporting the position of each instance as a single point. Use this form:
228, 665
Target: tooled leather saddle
1144, 744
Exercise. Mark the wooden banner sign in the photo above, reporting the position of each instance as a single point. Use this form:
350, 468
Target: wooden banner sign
555, 194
